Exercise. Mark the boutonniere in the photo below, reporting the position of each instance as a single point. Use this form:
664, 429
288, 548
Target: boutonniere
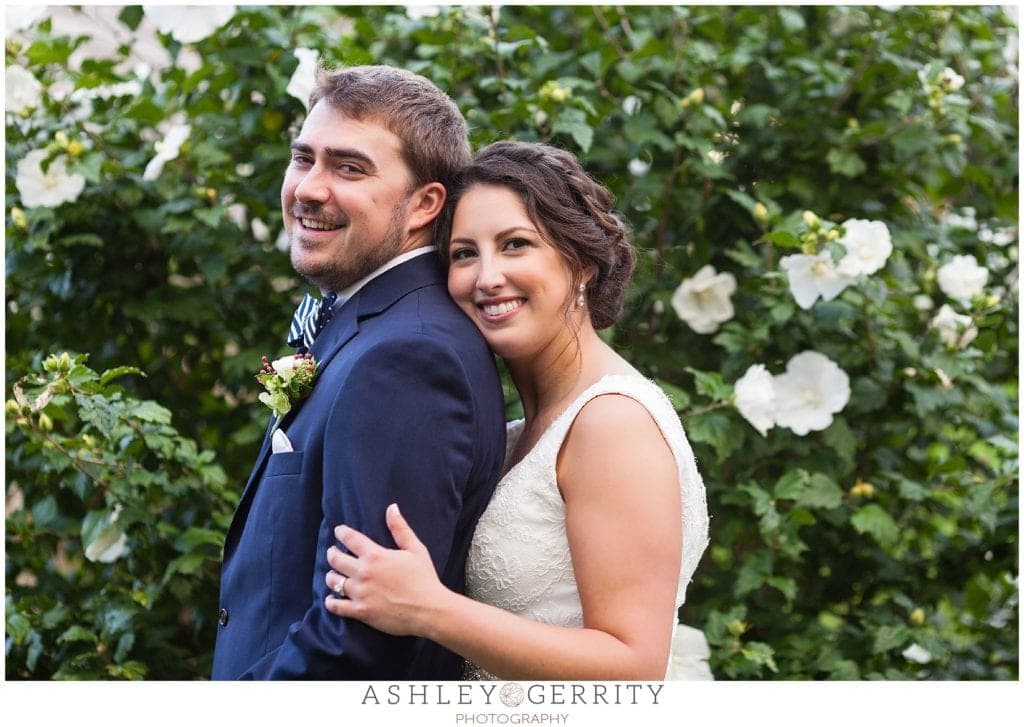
286, 380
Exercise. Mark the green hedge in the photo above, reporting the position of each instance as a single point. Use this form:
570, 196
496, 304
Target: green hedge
879, 542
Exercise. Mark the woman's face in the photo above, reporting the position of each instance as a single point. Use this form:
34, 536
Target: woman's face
505, 275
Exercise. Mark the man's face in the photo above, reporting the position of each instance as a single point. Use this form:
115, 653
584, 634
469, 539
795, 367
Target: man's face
345, 198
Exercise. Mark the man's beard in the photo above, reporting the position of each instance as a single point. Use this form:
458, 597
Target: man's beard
355, 261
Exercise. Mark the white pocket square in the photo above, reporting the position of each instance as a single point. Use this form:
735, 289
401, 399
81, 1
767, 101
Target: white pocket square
279, 442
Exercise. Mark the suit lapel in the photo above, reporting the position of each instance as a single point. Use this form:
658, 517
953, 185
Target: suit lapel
377, 296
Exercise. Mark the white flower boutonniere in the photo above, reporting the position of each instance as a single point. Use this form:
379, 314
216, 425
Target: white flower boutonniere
286, 381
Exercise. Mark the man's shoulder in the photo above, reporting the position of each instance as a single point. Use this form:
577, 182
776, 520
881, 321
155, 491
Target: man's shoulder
427, 312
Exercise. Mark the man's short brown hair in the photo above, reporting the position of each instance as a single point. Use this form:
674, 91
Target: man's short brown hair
435, 140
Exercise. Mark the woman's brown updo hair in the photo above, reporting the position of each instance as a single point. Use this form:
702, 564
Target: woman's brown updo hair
573, 211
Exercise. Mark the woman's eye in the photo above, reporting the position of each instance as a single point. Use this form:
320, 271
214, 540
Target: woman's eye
516, 243
462, 253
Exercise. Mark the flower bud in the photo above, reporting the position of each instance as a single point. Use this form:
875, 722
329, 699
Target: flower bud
65, 363
75, 148
862, 489
853, 123
737, 627
760, 212
13, 408
19, 218
953, 138
812, 220
62, 139
917, 616
45, 423
552, 91
696, 96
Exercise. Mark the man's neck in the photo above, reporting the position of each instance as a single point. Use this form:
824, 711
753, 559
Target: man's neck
351, 290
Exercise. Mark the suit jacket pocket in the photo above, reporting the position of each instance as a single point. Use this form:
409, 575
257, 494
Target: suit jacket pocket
284, 463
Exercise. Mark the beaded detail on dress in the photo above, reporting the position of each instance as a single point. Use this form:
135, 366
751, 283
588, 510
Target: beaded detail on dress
519, 559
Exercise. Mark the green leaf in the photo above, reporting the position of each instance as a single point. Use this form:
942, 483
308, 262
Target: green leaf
150, 411
760, 653
782, 238
77, 633
710, 384
786, 586
89, 166
890, 637
846, 163
118, 371
87, 239
573, 121
876, 522
18, 626
752, 574
679, 397
42, 53
716, 429
124, 646
187, 564
841, 439
809, 490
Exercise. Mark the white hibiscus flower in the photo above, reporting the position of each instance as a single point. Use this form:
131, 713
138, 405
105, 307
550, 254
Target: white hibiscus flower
811, 276
110, 544
868, 245
304, 78
967, 221
810, 392
704, 301
755, 398
51, 188
962, 278
19, 17
638, 167
951, 80
954, 329
166, 150
260, 231
189, 23
418, 12
923, 302
22, 90
917, 653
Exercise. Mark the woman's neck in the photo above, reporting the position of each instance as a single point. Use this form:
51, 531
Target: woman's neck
546, 380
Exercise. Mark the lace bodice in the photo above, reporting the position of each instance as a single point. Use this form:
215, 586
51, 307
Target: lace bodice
519, 559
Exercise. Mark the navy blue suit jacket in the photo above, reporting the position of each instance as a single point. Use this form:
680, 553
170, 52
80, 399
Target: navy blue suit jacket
407, 408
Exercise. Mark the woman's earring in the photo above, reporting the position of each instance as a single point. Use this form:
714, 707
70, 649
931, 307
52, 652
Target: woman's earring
581, 299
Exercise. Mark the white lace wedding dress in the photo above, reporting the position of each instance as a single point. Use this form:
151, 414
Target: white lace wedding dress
519, 559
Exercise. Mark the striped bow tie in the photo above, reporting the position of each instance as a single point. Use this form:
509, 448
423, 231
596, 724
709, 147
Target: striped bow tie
309, 319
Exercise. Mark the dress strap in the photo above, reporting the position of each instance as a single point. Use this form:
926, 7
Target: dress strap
634, 386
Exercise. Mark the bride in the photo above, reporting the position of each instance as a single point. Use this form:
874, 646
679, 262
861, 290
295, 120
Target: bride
581, 560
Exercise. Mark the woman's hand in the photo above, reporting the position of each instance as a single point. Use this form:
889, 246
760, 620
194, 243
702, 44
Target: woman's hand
390, 590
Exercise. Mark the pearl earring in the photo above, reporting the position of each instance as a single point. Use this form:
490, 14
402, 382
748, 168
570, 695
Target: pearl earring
581, 299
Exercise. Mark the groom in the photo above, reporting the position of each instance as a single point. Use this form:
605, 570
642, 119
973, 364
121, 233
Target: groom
406, 406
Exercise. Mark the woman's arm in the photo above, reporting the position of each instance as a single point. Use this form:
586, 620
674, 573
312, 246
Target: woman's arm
618, 478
